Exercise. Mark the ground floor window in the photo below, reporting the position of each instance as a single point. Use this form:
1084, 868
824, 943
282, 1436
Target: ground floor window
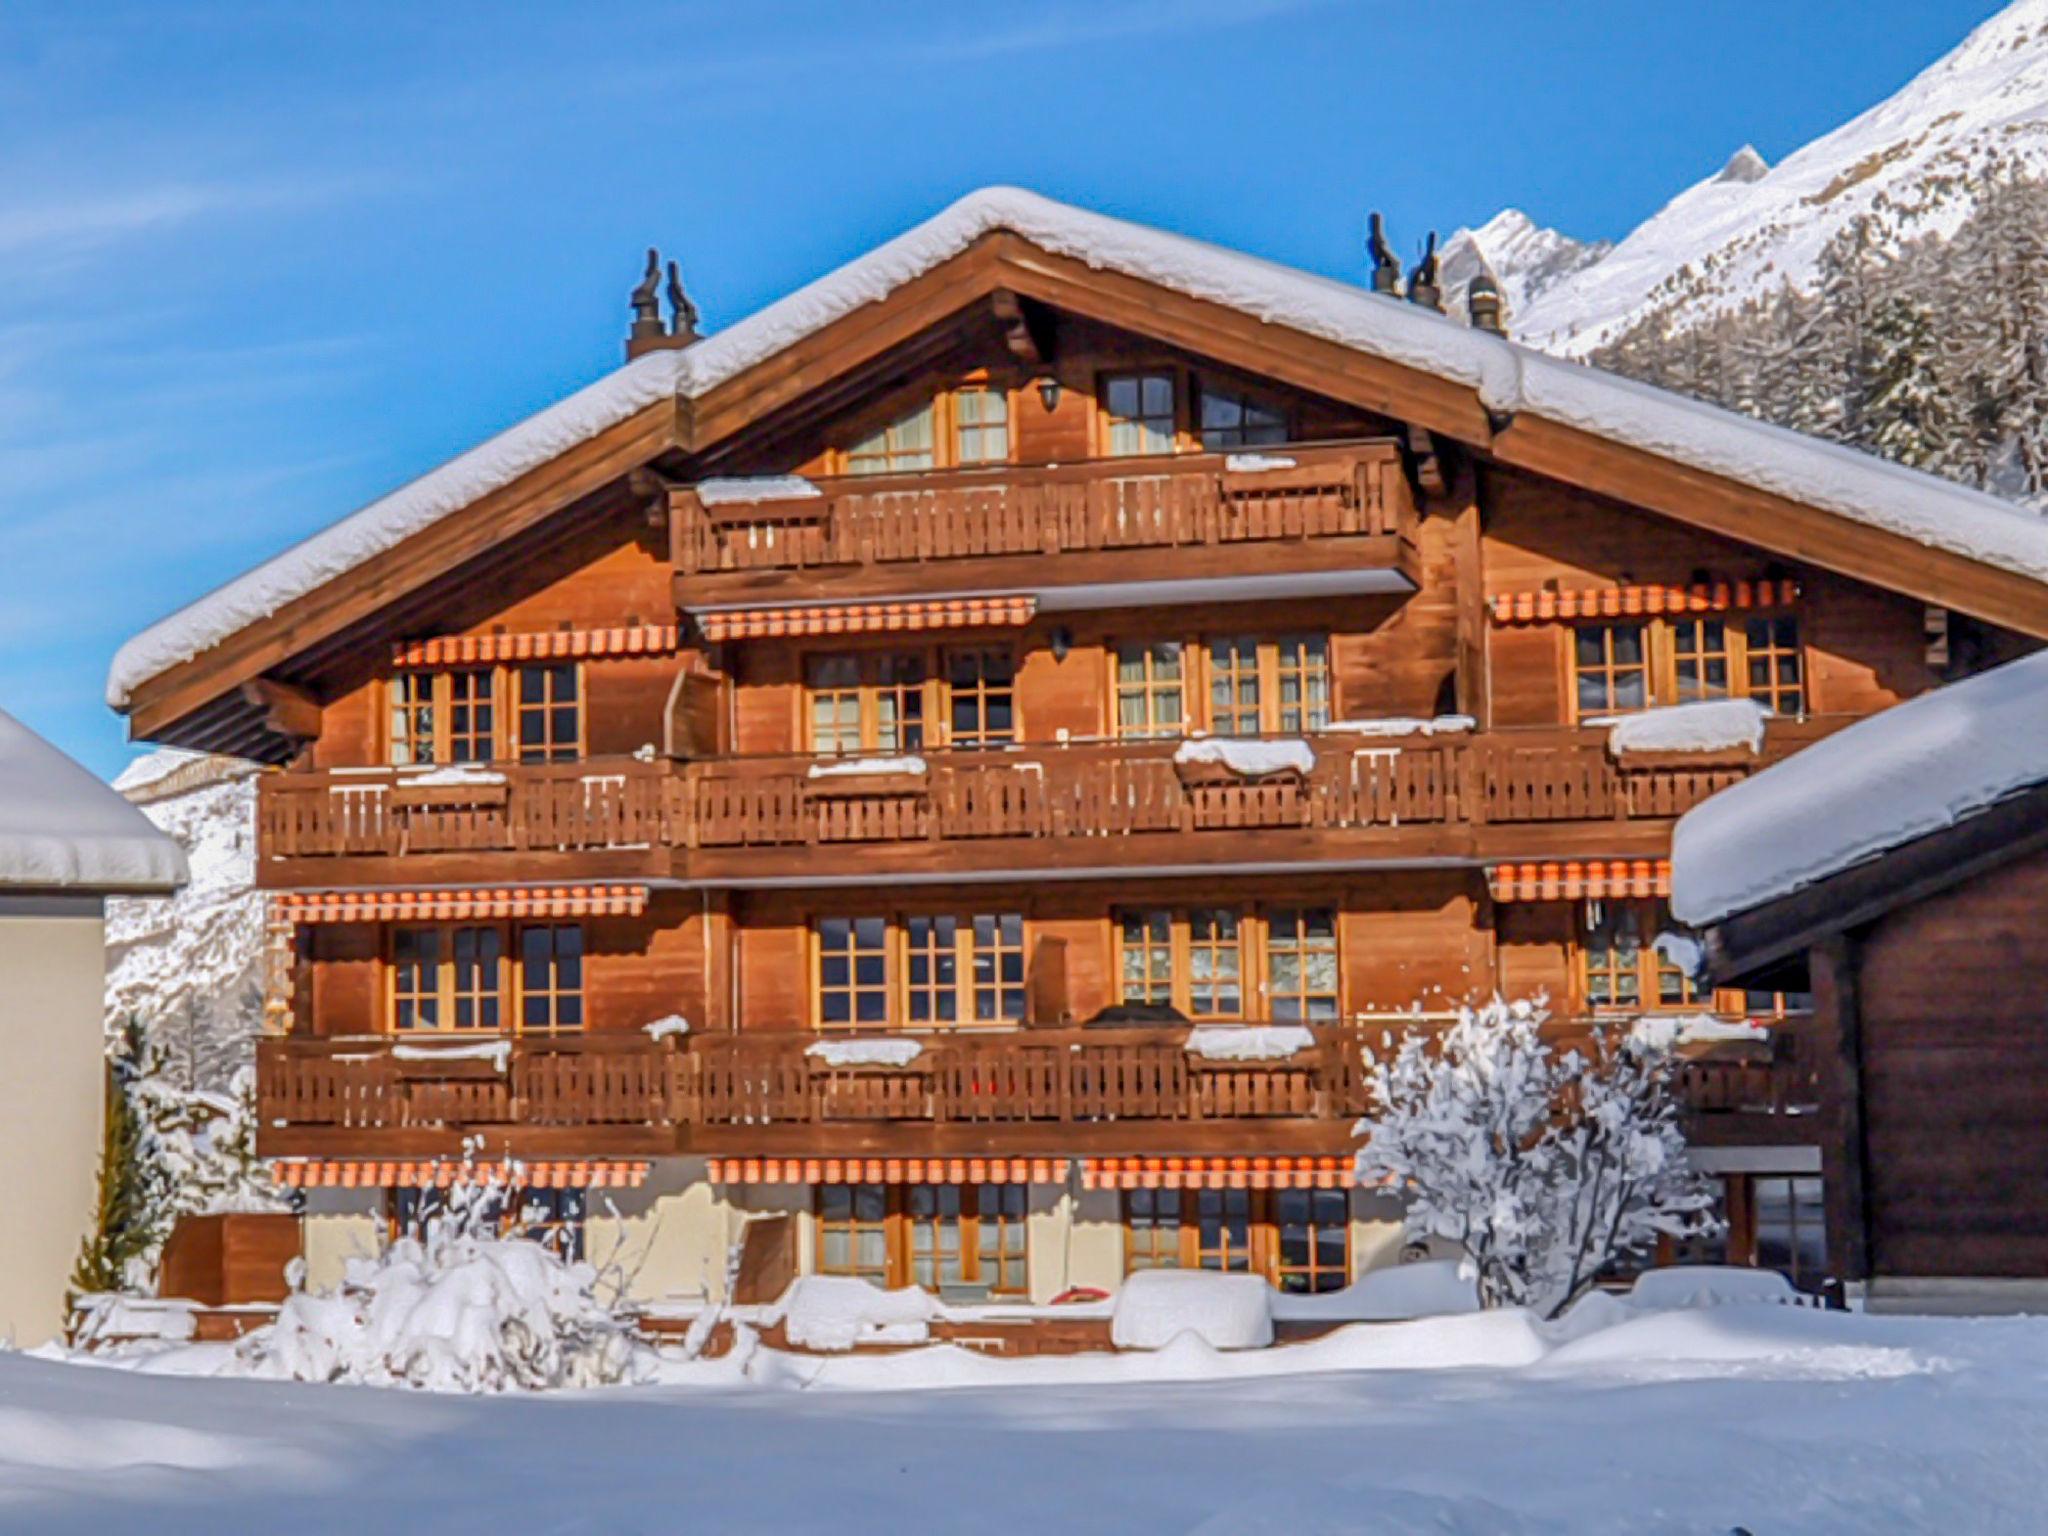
1299, 1239
552, 1217
961, 1241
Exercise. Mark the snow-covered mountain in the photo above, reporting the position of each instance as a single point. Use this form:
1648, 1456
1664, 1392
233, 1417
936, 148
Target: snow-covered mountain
192, 967
1527, 259
1917, 159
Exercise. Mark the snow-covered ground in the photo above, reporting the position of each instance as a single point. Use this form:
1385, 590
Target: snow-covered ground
1772, 1419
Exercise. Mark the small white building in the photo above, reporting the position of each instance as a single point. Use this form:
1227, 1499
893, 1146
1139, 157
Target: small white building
67, 842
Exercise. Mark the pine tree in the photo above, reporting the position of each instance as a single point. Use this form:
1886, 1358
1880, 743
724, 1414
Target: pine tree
125, 1226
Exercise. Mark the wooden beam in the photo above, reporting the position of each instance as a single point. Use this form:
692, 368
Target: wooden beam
1845, 1155
1027, 328
1429, 468
1474, 631
287, 711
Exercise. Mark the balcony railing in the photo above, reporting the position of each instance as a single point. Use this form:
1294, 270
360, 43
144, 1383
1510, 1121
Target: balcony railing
1039, 803
1197, 501
1047, 1090
597, 803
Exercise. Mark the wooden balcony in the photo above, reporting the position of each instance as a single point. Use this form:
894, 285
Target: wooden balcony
600, 818
1107, 806
1340, 514
1010, 1092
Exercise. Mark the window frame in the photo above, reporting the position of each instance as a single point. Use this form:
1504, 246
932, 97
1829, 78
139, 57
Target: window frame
897, 989
900, 1223
1663, 653
1653, 916
935, 695
1107, 421
1275, 658
509, 993
1245, 398
1155, 1245
1254, 950
503, 698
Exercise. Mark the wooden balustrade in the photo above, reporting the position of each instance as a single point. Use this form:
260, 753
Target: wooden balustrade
736, 1085
592, 804
1185, 502
1034, 793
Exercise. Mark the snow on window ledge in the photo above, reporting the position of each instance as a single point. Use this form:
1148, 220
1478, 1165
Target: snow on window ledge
1405, 725
497, 1052
1663, 1031
752, 490
1711, 725
853, 767
1248, 1042
1256, 463
866, 1052
668, 1026
1248, 759
450, 777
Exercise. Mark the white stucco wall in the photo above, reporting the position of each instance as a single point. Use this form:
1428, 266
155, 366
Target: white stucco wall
52, 1102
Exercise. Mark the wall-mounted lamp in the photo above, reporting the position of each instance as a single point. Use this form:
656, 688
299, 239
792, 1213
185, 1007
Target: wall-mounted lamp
1049, 392
1062, 637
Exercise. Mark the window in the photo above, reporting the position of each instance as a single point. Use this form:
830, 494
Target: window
1699, 660
853, 970
1618, 967
1252, 686
1311, 1239
1223, 1230
1215, 965
1138, 408
981, 426
871, 702
925, 970
1301, 965
1145, 965
853, 1231
963, 1241
551, 1217
1791, 1228
472, 737
902, 446
1196, 959
1152, 1230
551, 977
412, 718
1298, 1239
456, 976
1771, 646
550, 713
1149, 698
1611, 668
1639, 664
981, 698
1233, 419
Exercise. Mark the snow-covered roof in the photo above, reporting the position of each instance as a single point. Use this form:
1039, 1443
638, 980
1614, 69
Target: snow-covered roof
62, 829
1882, 782
1507, 377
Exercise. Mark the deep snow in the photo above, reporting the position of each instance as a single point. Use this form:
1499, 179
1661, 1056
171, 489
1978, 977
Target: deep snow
1776, 1419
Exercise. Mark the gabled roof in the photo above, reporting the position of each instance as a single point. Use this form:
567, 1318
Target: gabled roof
1506, 384
61, 829
1916, 769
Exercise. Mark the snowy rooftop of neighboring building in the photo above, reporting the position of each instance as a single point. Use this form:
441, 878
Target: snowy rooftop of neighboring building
1882, 782
62, 829
1507, 378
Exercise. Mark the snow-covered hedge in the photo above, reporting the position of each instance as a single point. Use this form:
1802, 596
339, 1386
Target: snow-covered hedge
453, 1309
1157, 1306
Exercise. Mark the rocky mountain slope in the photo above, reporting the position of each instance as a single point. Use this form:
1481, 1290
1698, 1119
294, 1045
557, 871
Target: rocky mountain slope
1915, 162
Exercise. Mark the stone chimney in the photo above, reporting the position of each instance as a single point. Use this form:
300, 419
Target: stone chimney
648, 333
1483, 303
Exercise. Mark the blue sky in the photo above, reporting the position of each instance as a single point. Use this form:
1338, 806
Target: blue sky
262, 262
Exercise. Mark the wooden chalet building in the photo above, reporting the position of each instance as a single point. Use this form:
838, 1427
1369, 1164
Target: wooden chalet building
827, 685
1911, 910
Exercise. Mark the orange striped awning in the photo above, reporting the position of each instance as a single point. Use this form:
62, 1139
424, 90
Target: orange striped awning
888, 1170
1218, 1173
440, 1173
545, 645
865, 618
459, 905
1630, 602
1580, 879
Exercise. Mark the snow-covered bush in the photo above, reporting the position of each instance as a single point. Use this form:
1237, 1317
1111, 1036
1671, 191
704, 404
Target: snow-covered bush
1543, 1166
1156, 1306
454, 1308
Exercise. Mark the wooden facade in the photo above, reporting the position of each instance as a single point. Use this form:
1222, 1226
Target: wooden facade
893, 751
